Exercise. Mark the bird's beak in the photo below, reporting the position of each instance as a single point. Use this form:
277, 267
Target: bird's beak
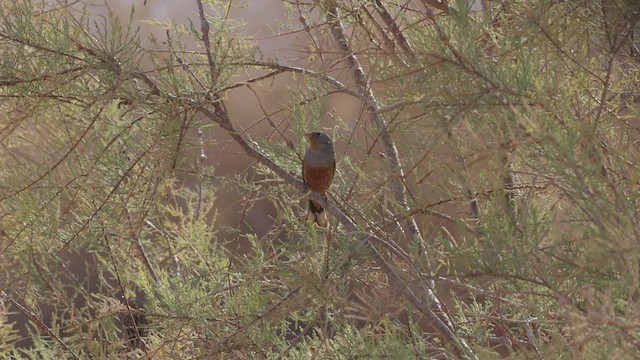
308, 135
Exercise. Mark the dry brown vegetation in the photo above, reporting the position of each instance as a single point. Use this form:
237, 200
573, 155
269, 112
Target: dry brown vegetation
486, 202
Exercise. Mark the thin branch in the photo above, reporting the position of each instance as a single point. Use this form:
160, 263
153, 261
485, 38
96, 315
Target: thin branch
204, 27
434, 313
440, 5
282, 68
43, 77
161, 232
394, 28
391, 151
399, 104
37, 321
125, 296
432, 308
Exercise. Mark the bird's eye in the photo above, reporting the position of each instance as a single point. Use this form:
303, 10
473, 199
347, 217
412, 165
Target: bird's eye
318, 133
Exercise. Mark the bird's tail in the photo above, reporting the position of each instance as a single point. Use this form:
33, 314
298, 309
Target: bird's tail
318, 213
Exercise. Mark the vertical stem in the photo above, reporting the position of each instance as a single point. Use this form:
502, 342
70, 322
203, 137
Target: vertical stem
430, 305
391, 151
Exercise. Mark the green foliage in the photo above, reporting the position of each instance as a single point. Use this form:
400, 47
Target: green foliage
516, 129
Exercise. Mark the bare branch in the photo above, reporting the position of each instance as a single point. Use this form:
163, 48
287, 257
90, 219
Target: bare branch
204, 27
35, 319
285, 68
391, 151
438, 4
432, 309
394, 28
399, 104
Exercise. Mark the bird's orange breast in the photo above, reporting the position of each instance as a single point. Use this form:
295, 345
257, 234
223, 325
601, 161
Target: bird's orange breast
318, 178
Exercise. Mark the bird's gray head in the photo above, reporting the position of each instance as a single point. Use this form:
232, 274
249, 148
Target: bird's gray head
319, 141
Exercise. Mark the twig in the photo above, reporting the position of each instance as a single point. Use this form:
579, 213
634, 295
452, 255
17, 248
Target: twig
282, 68
440, 5
35, 319
432, 309
391, 151
271, 310
219, 115
165, 236
399, 104
136, 332
135, 237
204, 27
531, 337
394, 28
201, 160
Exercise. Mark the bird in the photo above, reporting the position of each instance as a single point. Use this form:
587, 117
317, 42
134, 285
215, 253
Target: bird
318, 168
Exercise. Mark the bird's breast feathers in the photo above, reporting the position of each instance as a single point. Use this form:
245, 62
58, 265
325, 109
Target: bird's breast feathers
319, 178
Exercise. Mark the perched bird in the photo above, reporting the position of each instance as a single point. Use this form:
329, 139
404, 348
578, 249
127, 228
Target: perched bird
318, 167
